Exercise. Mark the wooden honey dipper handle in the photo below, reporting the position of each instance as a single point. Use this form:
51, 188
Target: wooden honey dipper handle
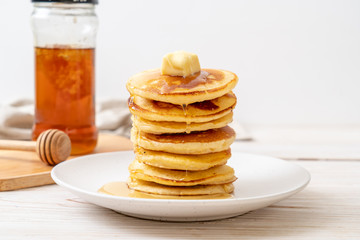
17, 145
52, 146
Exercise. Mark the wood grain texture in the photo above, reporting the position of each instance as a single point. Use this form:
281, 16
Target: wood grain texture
19, 169
329, 208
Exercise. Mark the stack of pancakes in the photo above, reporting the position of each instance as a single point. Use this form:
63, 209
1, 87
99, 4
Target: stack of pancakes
180, 133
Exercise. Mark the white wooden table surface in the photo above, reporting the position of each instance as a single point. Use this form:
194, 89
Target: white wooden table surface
328, 208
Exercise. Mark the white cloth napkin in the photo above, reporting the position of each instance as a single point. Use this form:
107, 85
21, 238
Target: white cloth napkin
112, 116
16, 118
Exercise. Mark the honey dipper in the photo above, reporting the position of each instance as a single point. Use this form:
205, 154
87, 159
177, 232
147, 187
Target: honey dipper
52, 146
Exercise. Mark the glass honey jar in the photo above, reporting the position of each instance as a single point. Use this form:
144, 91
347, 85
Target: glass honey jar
64, 40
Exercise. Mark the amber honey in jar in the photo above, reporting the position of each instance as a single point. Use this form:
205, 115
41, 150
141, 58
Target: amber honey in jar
64, 33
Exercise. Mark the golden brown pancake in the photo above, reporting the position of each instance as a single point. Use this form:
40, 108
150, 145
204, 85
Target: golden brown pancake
205, 85
154, 188
213, 140
181, 161
162, 127
196, 112
180, 133
216, 175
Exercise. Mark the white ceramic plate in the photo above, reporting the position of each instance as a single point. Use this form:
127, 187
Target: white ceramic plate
261, 182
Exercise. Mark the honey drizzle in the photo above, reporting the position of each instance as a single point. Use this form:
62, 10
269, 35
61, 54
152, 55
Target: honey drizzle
187, 120
167, 84
131, 102
210, 135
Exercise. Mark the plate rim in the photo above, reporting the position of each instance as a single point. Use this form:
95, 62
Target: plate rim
182, 201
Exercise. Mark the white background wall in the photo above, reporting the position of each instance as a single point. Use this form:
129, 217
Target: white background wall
298, 61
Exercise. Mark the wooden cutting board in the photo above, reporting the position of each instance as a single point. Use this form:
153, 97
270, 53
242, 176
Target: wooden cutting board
21, 169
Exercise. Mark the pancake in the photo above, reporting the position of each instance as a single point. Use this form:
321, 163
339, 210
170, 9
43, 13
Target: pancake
196, 112
156, 127
216, 175
213, 140
154, 188
181, 161
205, 85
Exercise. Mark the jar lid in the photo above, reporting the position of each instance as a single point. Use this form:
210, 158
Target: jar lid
68, 1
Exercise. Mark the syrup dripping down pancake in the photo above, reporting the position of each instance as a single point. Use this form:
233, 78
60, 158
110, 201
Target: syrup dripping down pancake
205, 85
196, 112
161, 127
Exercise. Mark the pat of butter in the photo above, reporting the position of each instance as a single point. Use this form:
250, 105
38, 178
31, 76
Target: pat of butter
180, 63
